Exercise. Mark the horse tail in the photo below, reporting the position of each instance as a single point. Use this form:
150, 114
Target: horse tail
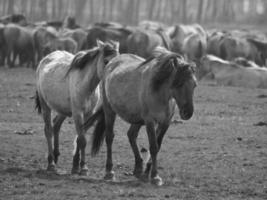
37, 103
99, 132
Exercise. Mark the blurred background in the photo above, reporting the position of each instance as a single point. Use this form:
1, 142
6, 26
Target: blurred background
132, 11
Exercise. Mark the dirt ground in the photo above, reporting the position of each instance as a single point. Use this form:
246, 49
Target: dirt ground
220, 153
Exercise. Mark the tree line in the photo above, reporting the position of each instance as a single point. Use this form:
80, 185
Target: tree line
133, 11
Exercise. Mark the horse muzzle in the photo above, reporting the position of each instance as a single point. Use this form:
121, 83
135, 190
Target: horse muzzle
186, 112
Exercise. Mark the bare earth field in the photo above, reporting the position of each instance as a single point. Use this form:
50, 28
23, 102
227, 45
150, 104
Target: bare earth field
221, 153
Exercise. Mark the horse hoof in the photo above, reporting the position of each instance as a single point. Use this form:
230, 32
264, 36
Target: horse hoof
84, 172
144, 177
75, 171
138, 173
51, 168
157, 181
110, 176
61, 172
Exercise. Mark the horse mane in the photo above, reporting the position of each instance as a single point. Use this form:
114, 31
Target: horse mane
150, 58
183, 73
167, 64
81, 58
164, 68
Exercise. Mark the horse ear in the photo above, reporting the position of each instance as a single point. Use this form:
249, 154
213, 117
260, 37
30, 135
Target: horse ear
99, 43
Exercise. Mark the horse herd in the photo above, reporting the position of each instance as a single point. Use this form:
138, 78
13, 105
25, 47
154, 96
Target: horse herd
138, 73
30, 42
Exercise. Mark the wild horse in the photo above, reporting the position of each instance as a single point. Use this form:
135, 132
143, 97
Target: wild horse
143, 92
66, 84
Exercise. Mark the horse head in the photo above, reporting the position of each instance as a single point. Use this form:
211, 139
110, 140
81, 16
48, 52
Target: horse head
177, 76
183, 86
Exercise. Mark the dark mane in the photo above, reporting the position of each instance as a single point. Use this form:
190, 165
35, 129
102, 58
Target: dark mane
183, 73
147, 60
165, 66
170, 63
83, 57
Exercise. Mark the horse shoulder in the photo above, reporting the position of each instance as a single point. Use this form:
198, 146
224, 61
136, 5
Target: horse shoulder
155, 105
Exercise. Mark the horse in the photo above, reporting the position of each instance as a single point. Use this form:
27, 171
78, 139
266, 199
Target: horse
142, 42
61, 43
42, 36
66, 84
79, 35
19, 41
109, 33
143, 92
229, 73
179, 32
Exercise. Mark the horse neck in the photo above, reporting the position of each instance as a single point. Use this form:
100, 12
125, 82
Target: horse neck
90, 78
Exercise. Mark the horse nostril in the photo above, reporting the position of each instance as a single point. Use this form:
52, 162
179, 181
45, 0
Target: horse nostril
186, 114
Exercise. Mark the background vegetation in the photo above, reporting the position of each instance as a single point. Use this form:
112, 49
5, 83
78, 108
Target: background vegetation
133, 11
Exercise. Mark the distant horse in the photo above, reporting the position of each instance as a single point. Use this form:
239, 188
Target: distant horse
19, 41
142, 42
119, 34
143, 92
14, 18
61, 43
179, 32
79, 35
65, 84
229, 73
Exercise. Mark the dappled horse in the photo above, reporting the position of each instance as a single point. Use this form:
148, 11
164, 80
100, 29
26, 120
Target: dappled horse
143, 92
65, 84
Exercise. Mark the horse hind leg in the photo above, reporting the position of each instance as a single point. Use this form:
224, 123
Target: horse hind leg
81, 145
109, 120
46, 112
132, 136
57, 122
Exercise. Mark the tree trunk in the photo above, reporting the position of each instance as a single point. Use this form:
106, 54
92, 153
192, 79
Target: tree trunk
92, 16
184, 7
10, 7
151, 7
43, 8
199, 12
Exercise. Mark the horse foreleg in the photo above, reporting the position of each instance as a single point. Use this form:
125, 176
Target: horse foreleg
160, 132
153, 147
57, 122
81, 145
132, 136
76, 159
9, 52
